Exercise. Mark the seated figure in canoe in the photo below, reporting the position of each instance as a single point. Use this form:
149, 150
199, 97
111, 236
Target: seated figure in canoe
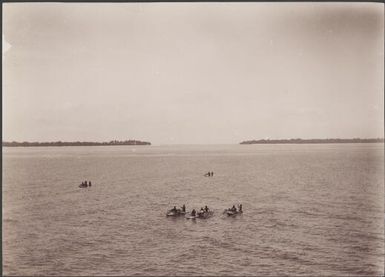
192, 215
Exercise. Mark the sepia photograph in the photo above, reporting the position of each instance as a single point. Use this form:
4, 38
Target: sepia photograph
193, 139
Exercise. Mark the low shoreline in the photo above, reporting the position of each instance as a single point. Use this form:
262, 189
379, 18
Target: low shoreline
312, 141
77, 143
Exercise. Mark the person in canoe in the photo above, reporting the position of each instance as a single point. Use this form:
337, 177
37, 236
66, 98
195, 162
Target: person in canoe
206, 208
233, 208
184, 208
240, 208
193, 212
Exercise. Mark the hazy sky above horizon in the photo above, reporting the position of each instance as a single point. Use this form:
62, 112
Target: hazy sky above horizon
192, 72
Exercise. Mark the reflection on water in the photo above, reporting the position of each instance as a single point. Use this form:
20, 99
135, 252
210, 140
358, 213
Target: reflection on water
308, 209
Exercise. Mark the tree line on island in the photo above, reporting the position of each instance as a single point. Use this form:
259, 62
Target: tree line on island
75, 143
299, 141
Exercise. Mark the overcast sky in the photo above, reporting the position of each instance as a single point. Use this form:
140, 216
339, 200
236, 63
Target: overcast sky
192, 73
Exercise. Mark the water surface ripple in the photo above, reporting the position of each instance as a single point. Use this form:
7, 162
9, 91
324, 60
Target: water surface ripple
308, 210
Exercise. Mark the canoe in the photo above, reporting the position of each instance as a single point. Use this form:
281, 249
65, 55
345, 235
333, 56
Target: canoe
175, 213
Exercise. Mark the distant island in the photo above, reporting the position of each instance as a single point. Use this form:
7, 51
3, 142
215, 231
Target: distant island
303, 141
74, 143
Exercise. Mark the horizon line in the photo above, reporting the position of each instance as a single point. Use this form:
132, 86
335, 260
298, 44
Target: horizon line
132, 142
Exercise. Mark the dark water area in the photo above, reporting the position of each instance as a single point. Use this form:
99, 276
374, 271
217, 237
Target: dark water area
308, 210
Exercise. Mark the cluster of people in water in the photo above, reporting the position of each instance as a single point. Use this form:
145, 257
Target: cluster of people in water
85, 184
209, 174
203, 212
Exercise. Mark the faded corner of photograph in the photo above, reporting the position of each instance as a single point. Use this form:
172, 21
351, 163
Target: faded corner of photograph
193, 139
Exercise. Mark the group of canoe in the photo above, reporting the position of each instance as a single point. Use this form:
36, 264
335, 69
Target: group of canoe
203, 212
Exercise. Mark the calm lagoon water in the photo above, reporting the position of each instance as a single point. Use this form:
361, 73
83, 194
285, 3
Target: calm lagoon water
308, 209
